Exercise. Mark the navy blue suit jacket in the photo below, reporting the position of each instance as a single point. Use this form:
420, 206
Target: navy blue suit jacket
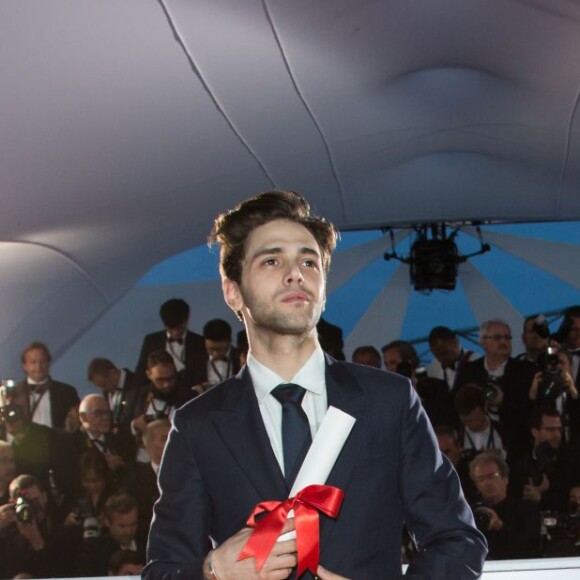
219, 464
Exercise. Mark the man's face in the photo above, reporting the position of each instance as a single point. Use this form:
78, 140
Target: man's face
573, 338
123, 527
445, 351
107, 382
392, 358
550, 431
217, 349
574, 499
163, 377
476, 421
7, 465
282, 289
490, 483
155, 443
93, 482
97, 418
497, 342
36, 365
532, 340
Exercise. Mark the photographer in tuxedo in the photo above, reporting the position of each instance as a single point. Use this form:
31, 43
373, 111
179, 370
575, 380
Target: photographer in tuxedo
180, 343
243, 441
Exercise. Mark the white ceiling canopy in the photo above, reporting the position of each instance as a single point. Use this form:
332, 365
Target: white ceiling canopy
127, 125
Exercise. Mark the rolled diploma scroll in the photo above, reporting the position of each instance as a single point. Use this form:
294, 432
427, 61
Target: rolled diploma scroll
322, 455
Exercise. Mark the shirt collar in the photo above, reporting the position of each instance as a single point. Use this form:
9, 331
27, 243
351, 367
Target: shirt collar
311, 376
31, 382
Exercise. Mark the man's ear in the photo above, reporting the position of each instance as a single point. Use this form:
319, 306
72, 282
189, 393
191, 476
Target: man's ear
232, 294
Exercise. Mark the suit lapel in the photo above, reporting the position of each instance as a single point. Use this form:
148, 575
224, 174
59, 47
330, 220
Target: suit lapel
239, 422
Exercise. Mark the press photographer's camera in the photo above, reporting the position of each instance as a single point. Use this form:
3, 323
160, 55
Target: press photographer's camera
9, 412
26, 509
558, 524
552, 384
546, 456
481, 517
490, 390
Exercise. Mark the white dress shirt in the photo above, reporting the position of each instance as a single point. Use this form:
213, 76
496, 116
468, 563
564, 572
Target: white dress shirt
177, 351
40, 405
312, 377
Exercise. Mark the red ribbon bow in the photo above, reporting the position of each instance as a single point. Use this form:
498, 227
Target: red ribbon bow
306, 505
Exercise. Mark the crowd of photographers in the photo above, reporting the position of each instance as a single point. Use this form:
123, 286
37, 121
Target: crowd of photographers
511, 427
78, 477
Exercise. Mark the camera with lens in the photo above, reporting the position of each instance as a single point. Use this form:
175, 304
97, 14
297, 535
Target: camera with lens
490, 390
468, 455
543, 464
559, 525
26, 509
83, 511
9, 411
553, 383
481, 517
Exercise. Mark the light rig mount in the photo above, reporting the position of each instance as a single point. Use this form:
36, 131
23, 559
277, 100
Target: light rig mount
434, 258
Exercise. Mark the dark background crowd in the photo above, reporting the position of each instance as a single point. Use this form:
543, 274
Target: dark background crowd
78, 478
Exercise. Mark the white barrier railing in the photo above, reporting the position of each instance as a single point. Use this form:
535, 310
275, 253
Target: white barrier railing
557, 568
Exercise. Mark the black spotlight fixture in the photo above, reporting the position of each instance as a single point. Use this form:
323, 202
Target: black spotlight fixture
434, 258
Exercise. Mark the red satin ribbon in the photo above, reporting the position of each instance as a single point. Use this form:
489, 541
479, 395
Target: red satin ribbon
306, 505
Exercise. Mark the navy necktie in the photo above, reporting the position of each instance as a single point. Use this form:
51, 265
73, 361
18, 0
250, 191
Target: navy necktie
296, 436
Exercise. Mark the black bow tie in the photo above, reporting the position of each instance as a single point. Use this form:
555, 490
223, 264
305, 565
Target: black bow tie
177, 340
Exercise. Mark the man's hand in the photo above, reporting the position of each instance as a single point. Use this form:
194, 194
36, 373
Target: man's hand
7, 515
495, 522
278, 566
31, 534
113, 460
533, 492
324, 574
533, 392
139, 424
201, 388
569, 385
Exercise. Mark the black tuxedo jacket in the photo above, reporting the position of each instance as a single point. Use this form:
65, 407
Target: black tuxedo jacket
62, 398
514, 412
194, 343
219, 464
130, 394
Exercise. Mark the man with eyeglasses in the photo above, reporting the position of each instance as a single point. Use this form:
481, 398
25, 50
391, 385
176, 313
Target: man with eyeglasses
96, 432
159, 398
505, 382
511, 526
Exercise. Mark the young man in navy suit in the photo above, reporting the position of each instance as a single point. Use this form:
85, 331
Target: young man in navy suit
227, 449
